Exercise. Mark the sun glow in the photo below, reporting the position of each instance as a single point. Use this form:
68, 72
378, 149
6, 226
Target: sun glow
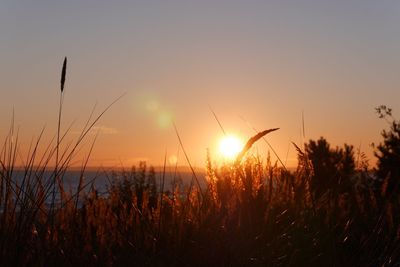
230, 146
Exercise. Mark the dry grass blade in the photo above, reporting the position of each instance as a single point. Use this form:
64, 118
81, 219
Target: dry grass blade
188, 161
216, 118
251, 141
266, 141
299, 151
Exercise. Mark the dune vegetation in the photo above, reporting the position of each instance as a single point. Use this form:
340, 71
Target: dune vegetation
333, 210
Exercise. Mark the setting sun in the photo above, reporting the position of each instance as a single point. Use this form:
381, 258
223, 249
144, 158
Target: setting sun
230, 146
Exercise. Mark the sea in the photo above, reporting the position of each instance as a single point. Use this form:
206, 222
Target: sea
102, 180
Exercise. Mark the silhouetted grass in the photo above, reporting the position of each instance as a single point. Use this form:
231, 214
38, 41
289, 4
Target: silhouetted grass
329, 212
251, 214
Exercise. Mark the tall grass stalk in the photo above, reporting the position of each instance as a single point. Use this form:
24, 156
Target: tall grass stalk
56, 168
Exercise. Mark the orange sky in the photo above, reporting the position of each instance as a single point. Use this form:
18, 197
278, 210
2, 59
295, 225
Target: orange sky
255, 64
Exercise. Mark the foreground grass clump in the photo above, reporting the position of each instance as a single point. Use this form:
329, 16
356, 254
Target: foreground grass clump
332, 211
250, 214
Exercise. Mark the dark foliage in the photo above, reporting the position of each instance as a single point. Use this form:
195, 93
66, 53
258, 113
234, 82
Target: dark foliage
333, 168
388, 154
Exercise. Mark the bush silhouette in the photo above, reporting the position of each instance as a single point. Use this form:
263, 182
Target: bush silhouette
332, 168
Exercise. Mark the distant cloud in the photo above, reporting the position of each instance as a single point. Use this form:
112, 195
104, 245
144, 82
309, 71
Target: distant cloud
104, 129
101, 129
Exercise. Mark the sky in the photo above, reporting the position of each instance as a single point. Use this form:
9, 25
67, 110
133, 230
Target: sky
256, 64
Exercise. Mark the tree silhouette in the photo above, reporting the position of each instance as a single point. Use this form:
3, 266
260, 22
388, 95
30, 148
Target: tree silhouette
388, 153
